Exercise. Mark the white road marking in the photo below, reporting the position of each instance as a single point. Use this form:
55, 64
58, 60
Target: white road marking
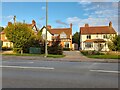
16, 62
105, 71
23, 67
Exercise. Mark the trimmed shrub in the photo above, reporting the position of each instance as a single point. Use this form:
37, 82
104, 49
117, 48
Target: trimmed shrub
55, 48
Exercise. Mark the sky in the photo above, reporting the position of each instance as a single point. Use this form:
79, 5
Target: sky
61, 14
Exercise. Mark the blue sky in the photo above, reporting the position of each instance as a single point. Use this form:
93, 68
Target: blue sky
61, 14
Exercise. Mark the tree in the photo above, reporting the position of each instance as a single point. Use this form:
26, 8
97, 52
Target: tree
1, 29
20, 34
114, 45
76, 38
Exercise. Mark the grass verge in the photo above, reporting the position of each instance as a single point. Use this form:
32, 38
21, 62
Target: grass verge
104, 56
55, 56
26, 54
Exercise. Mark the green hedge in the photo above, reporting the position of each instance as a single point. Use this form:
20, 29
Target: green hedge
91, 53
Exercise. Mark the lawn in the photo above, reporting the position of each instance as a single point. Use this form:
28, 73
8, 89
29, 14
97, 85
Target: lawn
26, 54
101, 55
104, 56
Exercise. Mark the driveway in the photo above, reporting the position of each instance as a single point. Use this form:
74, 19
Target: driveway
74, 55
77, 56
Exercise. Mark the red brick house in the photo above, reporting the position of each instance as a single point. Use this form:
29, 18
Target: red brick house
63, 34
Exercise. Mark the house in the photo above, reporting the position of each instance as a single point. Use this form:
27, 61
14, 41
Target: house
33, 26
62, 34
6, 42
96, 37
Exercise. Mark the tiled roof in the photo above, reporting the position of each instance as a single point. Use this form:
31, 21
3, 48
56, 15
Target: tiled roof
97, 30
67, 31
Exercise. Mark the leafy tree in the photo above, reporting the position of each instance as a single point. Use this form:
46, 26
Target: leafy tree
76, 38
21, 35
1, 29
115, 44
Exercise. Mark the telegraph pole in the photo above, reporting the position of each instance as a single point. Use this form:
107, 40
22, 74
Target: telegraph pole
46, 52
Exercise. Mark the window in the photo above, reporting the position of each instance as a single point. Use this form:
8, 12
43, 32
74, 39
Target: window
66, 44
88, 36
63, 35
106, 36
56, 35
6, 44
88, 45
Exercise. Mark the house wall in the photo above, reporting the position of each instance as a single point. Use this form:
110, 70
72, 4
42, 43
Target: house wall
6, 43
49, 36
95, 36
64, 41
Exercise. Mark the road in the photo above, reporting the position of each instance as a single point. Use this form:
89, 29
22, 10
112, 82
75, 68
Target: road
58, 74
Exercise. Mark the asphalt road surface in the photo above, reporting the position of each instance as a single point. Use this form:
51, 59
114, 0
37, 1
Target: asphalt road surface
58, 74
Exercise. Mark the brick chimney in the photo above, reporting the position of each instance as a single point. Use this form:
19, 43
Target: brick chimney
48, 26
33, 22
86, 25
110, 24
71, 25
9, 23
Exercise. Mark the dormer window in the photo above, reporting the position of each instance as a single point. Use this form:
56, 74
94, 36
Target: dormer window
63, 35
88, 36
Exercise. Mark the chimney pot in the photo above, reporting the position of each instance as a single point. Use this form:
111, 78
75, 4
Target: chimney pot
86, 25
110, 24
71, 25
9, 23
48, 26
33, 22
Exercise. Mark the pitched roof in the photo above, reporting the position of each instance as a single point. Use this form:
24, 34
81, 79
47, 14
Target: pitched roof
67, 31
97, 30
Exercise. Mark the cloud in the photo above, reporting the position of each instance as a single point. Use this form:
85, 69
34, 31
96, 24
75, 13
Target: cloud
8, 18
84, 2
73, 20
98, 1
43, 7
91, 8
93, 21
60, 22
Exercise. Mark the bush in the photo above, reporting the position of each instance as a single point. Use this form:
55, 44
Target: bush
55, 48
66, 49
